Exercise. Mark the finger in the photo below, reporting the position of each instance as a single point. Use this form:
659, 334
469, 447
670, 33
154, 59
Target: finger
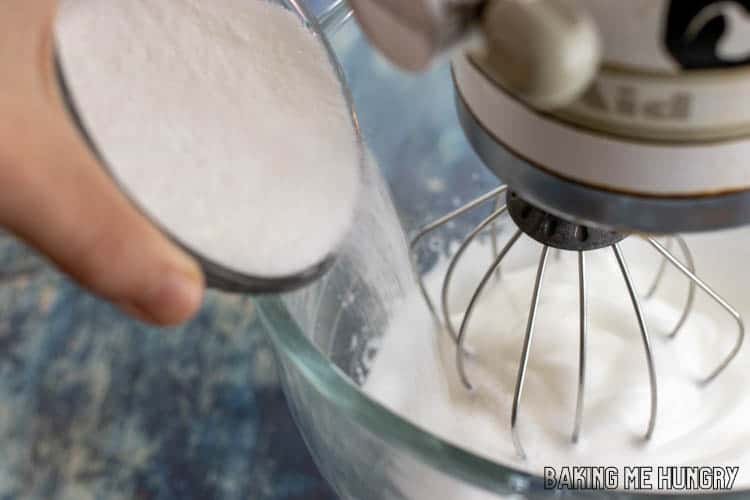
55, 195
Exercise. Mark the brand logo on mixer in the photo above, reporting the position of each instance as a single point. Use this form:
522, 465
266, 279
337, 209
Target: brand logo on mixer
709, 33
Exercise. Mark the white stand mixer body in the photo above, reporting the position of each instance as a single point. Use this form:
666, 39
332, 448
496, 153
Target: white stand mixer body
667, 116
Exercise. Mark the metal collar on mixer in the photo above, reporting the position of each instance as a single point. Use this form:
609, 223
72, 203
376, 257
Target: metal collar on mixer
602, 207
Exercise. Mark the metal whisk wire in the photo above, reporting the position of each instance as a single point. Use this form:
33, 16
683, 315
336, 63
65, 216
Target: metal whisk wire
435, 225
583, 331
644, 337
690, 264
524, 364
716, 298
445, 290
472, 304
443, 319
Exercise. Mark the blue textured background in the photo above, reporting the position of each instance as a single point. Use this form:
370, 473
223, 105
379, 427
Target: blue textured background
94, 406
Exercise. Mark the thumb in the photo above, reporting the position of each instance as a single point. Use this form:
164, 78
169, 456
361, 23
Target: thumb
56, 196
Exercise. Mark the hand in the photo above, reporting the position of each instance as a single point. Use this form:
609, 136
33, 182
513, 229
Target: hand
56, 196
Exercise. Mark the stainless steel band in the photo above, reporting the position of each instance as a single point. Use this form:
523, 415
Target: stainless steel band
595, 206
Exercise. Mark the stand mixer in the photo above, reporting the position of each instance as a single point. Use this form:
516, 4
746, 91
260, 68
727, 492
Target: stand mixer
625, 118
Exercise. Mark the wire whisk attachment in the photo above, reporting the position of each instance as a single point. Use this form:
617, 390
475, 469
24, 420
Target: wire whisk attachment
556, 235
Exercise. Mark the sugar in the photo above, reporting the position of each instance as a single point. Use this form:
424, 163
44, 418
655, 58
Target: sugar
224, 120
414, 371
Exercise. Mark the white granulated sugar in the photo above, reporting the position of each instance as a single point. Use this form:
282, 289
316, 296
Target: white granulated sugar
414, 372
223, 119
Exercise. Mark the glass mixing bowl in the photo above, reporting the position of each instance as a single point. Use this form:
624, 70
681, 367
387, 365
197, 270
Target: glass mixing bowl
420, 167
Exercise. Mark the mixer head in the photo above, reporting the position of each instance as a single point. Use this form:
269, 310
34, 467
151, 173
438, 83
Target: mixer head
605, 119
629, 115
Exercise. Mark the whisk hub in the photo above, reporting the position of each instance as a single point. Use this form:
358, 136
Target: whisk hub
556, 232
